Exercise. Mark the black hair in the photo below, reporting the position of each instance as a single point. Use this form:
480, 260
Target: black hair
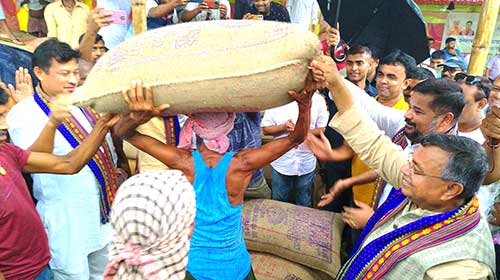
450, 39
397, 57
53, 49
97, 39
421, 73
438, 55
448, 96
358, 49
4, 97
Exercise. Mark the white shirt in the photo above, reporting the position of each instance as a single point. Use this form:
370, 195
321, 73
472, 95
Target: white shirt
68, 204
388, 187
303, 12
298, 161
486, 193
212, 15
114, 34
387, 119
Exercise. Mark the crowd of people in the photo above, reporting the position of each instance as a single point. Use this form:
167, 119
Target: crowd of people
408, 153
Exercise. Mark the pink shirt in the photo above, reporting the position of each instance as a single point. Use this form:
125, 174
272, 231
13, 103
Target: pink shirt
24, 248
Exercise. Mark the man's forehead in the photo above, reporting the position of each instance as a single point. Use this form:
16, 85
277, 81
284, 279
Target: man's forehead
397, 69
72, 64
359, 56
421, 100
431, 155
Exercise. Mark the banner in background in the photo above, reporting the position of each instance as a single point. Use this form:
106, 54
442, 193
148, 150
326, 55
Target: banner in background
462, 26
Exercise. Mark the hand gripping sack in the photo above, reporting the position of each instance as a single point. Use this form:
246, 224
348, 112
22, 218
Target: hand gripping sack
208, 66
307, 236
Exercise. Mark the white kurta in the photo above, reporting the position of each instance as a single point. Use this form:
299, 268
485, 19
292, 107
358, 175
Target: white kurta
68, 204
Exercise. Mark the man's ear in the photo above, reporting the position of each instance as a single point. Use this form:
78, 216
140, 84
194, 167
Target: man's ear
482, 103
406, 83
453, 191
38, 73
447, 119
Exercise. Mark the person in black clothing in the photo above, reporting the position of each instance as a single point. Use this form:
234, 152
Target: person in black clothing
268, 9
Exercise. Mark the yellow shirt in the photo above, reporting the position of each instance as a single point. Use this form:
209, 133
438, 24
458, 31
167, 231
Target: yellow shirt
364, 192
65, 26
154, 128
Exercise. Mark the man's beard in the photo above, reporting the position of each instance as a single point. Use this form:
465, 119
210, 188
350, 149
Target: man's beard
416, 135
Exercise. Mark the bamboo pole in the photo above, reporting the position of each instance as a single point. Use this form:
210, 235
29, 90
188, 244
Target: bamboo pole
139, 16
484, 33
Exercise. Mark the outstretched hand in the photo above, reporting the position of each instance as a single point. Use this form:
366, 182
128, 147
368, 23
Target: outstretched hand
339, 186
139, 100
324, 71
320, 146
109, 120
59, 110
357, 217
24, 85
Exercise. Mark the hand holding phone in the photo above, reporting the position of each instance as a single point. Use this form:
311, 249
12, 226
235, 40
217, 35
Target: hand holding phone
118, 16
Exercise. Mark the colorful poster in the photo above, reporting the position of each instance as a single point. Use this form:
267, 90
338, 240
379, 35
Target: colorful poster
462, 26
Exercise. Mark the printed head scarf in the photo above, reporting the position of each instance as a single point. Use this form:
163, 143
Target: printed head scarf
151, 218
211, 127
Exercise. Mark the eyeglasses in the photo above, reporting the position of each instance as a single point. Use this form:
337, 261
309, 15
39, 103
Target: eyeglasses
411, 167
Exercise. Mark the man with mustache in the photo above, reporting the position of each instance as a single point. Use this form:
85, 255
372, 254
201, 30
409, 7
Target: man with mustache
430, 226
435, 110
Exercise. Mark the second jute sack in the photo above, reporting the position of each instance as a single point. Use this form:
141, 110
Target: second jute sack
307, 236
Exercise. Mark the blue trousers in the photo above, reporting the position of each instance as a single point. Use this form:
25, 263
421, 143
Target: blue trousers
282, 184
46, 274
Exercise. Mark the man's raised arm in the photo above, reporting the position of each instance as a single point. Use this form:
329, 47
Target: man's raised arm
256, 158
361, 133
75, 160
142, 109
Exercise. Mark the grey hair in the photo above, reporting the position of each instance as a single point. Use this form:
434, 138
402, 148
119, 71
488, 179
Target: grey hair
467, 163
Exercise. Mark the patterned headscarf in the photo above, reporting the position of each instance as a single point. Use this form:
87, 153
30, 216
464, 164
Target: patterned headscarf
152, 217
212, 127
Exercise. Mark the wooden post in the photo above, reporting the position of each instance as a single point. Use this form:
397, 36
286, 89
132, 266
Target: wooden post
484, 33
139, 16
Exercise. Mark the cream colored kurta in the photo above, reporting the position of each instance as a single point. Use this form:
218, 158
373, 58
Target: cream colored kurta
386, 158
65, 26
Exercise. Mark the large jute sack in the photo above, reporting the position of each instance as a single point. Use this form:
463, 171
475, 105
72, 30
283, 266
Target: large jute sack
270, 267
303, 235
205, 66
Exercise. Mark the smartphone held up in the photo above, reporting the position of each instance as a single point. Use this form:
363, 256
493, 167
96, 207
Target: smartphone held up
118, 16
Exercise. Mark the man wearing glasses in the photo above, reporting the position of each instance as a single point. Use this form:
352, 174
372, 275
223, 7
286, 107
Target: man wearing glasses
435, 106
421, 229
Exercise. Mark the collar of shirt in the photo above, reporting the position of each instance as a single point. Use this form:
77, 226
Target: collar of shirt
371, 90
77, 4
